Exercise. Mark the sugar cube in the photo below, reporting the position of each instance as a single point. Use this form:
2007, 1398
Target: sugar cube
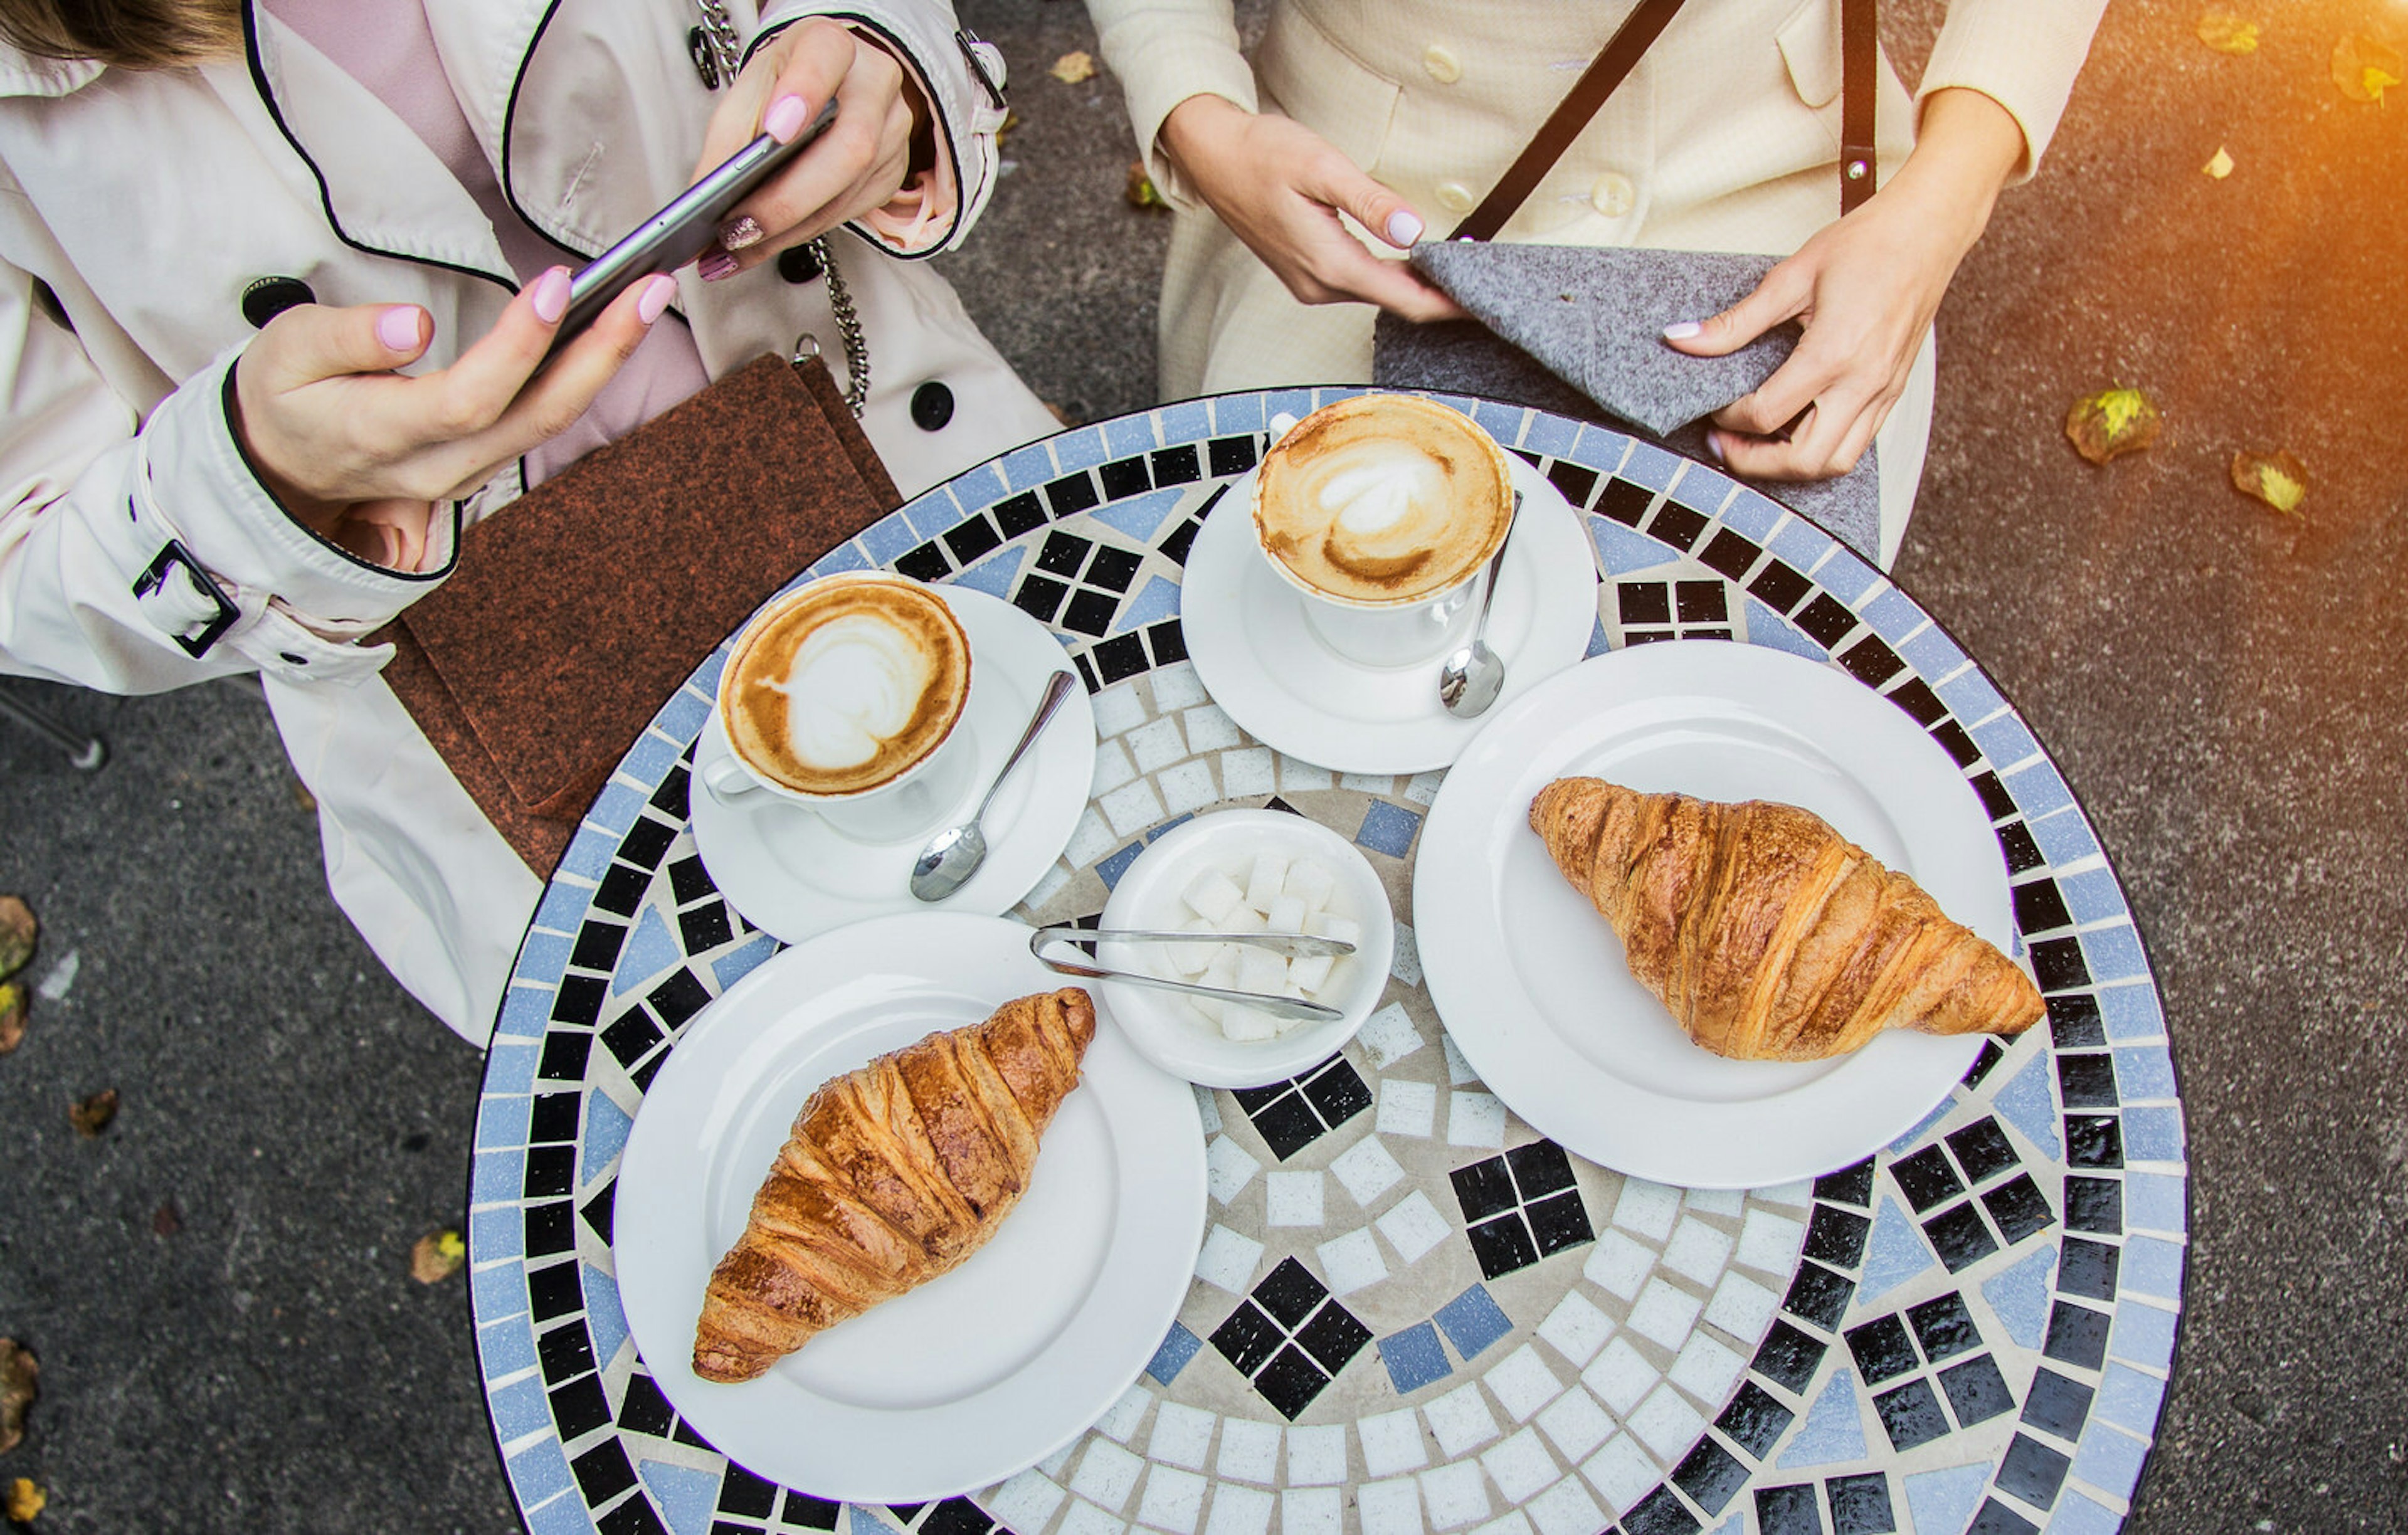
1189, 959
1243, 919
1260, 971
1214, 896
1220, 966
1310, 884
1286, 915
1209, 1006
1248, 1024
1344, 929
1263, 884
1310, 971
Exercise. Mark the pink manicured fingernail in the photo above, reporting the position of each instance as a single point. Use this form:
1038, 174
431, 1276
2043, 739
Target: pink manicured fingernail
655, 298
1682, 331
552, 296
1403, 227
784, 118
738, 233
398, 328
1714, 446
717, 266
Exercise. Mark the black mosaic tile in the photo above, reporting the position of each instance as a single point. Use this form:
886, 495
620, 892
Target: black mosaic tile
2033, 1471
1882, 1350
1860, 1505
1788, 1510
596, 1211
1120, 657
1623, 501
2015, 842
1333, 1337
1019, 514
554, 1291
685, 1434
1558, 1222
1660, 1512
1540, 1168
1705, 634
2094, 1141
1995, 798
2040, 907
551, 1228
1995, 1518
1064, 553
551, 1171
2058, 964
1983, 1063
1231, 455
646, 842
742, 1492
2057, 1404
580, 1407
1871, 662
1836, 1235
2094, 1204
1040, 597
1483, 1188
1643, 601
1850, 1185
632, 1038
1787, 1357
566, 1352
1125, 477
1253, 1101
579, 999
1177, 466
1819, 1296
1910, 1416
1072, 493
1710, 1475
564, 1052
1339, 1093
1289, 1292
1572, 479
1944, 1327
1168, 641
1502, 1246
1112, 568
1178, 541
678, 998
805, 1512
1926, 1179
2019, 1208
1090, 613
705, 927
1728, 554
972, 537
1290, 1382
636, 1517
1087, 674
1976, 1391
621, 892
643, 1410
554, 1116
1248, 1337
1827, 619
2088, 1269
1677, 525
1958, 745
1755, 1420
1646, 637
642, 1076
956, 1516
598, 945
906, 1512
1960, 1236
1779, 587
1701, 601
2074, 1021
671, 798
2077, 1335
1921, 704
689, 881
1982, 1149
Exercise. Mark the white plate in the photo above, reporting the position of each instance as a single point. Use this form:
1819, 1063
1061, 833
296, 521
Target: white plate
1269, 672
1532, 984
1175, 1036
971, 1377
791, 874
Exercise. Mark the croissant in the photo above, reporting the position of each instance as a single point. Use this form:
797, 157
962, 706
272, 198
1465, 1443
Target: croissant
892, 1175
1768, 935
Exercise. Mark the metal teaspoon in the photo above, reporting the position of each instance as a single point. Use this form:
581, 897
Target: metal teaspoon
954, 854
1472, 677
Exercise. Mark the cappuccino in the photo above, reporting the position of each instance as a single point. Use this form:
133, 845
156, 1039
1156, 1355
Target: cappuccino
1382, 500
847, 685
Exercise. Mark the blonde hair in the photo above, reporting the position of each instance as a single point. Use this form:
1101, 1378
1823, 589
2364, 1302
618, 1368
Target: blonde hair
127, 34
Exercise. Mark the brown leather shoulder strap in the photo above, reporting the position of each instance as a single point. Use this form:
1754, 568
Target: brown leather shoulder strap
1859, 87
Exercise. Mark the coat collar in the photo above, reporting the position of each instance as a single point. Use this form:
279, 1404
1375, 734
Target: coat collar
24, 75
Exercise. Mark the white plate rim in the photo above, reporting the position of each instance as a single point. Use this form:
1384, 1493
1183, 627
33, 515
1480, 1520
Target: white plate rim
1497, 1025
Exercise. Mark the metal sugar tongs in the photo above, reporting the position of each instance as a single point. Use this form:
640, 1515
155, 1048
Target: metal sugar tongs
1294, 945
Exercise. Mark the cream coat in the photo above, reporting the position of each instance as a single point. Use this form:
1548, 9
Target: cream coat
146, 202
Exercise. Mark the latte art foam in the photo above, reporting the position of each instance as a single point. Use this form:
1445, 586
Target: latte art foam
1382, 499
853, 686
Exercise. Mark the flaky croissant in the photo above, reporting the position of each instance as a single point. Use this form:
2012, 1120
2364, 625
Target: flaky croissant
1768, 935
892, 1175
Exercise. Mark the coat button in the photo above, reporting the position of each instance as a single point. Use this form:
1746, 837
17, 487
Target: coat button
1613, 194
932, 406
1441, 64
1454, 196
798, 263
270, 296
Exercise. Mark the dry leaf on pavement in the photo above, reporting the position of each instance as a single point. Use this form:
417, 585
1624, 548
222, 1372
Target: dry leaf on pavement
20, 1376
1010, 121
12, 1016
1074, 66
436, 1256
18, 933
2220, 167
2111, 423
2276, 479
1141, 191
25, 1500
2364, 67
166, 1220
92, 1114
2225, 32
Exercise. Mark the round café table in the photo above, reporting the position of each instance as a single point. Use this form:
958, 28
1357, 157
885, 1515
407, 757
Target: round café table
1411, 1313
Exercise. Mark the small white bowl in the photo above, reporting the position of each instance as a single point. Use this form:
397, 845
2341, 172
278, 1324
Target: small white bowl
1150, 895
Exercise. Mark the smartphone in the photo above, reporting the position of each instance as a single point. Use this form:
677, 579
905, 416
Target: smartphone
679, 233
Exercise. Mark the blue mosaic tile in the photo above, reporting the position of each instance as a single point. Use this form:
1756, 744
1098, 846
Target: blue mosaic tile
1597, 643
982, 488
1178, 1346
1415, 1358
1158, 601
2091, 897
1298, 403
2037, 789
606, 1319
2064, 836
503, 1120
936, 512
1236, 413
1141, 516
2128, 1399
2078, 1516
729, 968
1110, 869
497, 1175
2151, 1267
1894, 616
994, 574
1156, 834
1601, 450
563, 1515
1833, 1431
2004, 740
1907, 1141
1945, 1499
509, 1063
649, 757
1189, 421
2152, 1135
2153, 1201
1845, 577
520, 1409
1388, 828
1127, 436
682, 717
1895, 1253
1933, 655
507, 1346
2109, 1460
498, 1292
2114, 953
887, 540
545, 953
1551, 436
705, 679
2029, 1102
1767, 627
606, 1135
2144, 1072
1502, 422
1621, 550
1082, 448
1752, 515
1652, 466
525, 1011
1700, 489
2019, 1296
1973, 699
614, 811
685, 1495
650, 951
1802, 544
539, 1473
2131, 1012
1029, 466
1473, 1321
843, 557
589, 854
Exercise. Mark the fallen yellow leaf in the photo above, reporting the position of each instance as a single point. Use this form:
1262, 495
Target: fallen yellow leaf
2225, 32
2220, 167
21, 1378
2364, 67
24, 1503
18, 933
1141, 190
1074, 66
2112, 422
436, 1256
2276, 479
93, 1115
12, 1016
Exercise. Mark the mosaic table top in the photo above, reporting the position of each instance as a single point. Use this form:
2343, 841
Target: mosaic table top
1412, 1313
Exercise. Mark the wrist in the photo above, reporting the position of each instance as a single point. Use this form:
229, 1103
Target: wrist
1195, 124
1967, 148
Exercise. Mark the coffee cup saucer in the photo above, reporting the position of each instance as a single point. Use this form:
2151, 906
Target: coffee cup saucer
1262, 663
794, 876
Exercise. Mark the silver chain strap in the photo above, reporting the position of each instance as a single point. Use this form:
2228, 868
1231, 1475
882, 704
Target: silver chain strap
717, 55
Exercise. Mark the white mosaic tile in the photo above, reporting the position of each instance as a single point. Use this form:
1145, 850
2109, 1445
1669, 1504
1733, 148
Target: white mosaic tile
1621, 1474
1106, 1474
1239, 1511
1369, 783
1059, 1461
1412, 1225
1117, 709
1706, 1369
1085, 1518
1522, 1383
1460, 1419
1049, 885
1132, 806
1294, 1198
1620, 1377
1717, 1201
1799, 1194
1366, 1169
1407, 1107
1458, 1070
1173, 1501
1475, 1119
1617, 1265
1520, 1466
1209, 729
1297, 777
1090, 839
1575, 1424
1769, 1241
1229, 1167
1156, 744
1697, 1251
1742, 1308
1576, 1327
1313, 1511
1351, 1261
1227, 1259
1392, 1443
1406, 963
1667, 1423
1390, 1036
1316, 1455
1664, 1313
1566, 1509
1026, 1501
1455, 1496
1187, 787
1509, 1523
1248, 1450
1392, 1508
1176, 687
1113, 768
1182, 1436
1122, 1418
1648, 1209
1423, 788
1207, 1109
1247, 773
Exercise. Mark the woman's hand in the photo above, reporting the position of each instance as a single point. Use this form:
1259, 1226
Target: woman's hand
856, 167
357, 452
1280, 187
1866, 288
